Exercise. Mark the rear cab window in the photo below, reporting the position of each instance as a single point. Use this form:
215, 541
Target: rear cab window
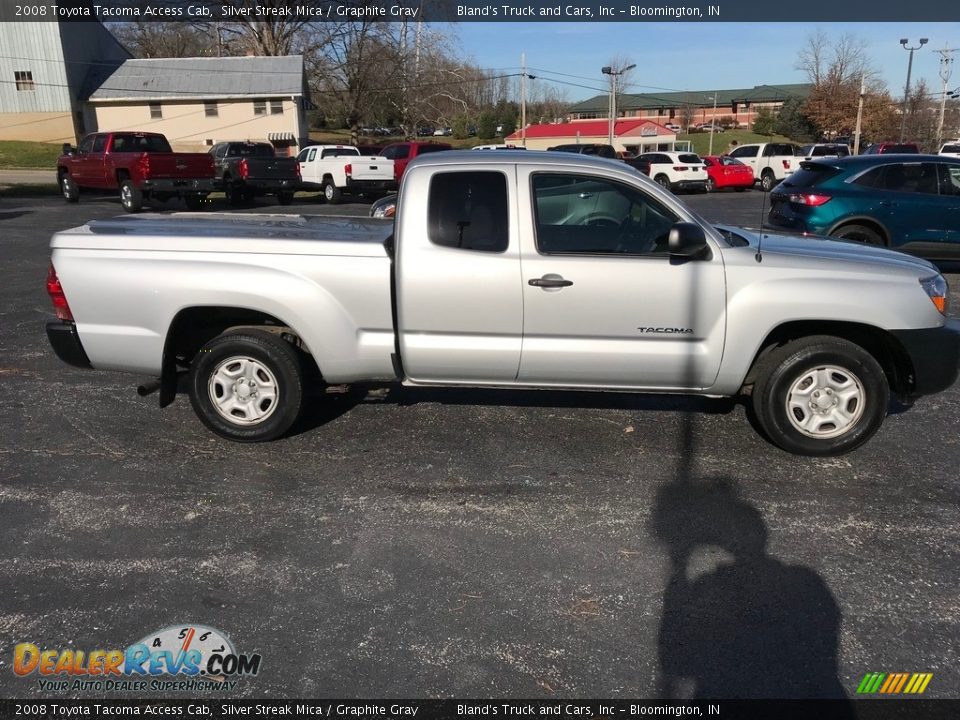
469, 211
689, 158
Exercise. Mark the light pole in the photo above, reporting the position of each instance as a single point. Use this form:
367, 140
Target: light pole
713, 120
946, 59
607, 70
906, 92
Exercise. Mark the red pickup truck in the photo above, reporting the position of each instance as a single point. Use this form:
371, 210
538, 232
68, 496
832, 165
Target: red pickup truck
141, 165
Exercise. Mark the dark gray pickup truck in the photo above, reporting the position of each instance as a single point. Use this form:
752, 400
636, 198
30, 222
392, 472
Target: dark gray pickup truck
249, 169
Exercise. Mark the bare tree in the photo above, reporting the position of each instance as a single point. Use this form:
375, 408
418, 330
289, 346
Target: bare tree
153, 39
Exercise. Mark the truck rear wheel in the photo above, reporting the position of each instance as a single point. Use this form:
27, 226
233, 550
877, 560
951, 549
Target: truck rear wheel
285, 198
820, 395
69, 189
247, 385
331, 193
195, 202
130, 196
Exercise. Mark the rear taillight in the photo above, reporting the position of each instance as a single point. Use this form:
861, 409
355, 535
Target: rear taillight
679, 168
244, 169
810, 199
55, 291
143, 165
348, 169
786, 164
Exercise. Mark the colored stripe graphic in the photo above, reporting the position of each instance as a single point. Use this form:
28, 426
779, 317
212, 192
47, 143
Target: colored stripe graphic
894, 683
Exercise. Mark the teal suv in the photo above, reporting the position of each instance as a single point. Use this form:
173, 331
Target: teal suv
905, 202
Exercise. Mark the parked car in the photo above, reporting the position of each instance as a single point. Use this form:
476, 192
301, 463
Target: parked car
674, 127
501, 146
337, 170
506, 270
707, 127
598, 149
727, 172
950, 149
676, 171
890, 147
638, 163
770, 162
370, 150
141, 165
907, 202
385, 207
402, 153
819, 150
249, 169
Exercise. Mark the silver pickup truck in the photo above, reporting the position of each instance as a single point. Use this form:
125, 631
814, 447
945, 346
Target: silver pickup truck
513, 270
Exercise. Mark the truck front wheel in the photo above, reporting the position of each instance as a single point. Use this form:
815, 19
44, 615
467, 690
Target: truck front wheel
768, 180
820, 395
71, 193
247, 385
130, 196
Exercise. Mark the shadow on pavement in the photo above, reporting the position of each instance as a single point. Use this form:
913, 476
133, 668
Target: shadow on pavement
738, 623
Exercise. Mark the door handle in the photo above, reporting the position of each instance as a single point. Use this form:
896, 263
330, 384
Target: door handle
550, 282
586, 195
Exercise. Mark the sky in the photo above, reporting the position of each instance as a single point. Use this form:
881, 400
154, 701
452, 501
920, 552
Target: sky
699, 56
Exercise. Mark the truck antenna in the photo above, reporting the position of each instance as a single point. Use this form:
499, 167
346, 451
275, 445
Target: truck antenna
763, 211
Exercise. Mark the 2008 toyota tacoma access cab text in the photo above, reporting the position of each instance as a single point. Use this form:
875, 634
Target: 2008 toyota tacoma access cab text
526, 270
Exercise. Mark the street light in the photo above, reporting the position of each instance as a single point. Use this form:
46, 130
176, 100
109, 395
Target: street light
713, 120
906, 93
607, 70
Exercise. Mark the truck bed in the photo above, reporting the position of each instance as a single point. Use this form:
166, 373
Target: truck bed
230, 232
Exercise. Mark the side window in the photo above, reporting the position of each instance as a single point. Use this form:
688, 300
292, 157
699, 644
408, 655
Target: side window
909, 177
581, 214
746, 151
769, 151
87, 144
401, 152
949, 179
312, 156
222, 151
100, 144
468, 211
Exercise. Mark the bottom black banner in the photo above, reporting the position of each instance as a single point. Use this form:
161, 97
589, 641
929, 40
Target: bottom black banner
485, 709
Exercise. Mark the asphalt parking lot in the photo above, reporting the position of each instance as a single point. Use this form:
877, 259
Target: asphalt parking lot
467, 543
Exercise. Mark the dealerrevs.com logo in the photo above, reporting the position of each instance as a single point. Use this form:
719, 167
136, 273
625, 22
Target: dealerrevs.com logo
179, 657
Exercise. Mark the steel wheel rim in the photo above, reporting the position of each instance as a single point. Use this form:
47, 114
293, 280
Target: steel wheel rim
243, 391
328, 192
708, 185
65, 186
126, 195
825, 402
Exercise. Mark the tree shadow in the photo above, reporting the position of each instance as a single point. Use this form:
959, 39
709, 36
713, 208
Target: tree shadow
738, 623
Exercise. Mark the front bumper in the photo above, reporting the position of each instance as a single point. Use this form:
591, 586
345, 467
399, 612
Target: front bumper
935, 354
66, 343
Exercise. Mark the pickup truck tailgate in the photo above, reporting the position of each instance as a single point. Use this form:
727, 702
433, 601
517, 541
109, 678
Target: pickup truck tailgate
371, 168
283, 168
166, 166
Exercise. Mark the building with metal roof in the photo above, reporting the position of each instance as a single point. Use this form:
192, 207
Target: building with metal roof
631, 135
198, 102
740, 104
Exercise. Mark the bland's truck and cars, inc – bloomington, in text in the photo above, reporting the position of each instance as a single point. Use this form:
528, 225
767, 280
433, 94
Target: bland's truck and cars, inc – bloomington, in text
505, 270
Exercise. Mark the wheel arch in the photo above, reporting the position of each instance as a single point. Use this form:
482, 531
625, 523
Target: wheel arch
194, 326
882, 345
864, 220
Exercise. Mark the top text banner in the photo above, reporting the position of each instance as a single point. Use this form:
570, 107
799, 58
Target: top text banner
472, 11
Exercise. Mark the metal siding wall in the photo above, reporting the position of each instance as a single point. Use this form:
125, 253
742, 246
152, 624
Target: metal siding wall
41, 42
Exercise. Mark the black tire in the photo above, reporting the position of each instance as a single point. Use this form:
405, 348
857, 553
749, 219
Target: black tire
285, 198
710, 185
767, 180
740, 189
258, 351
68, 188
234, 193
195, 203
796, 370
859, 233
131, 198
663, 181
331, 193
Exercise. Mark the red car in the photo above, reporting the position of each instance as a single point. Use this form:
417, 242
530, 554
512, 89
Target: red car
403, 152
727, 172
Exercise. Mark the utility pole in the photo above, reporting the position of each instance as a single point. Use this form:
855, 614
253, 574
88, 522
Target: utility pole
906, 92
523, 100
856, 133
946, 60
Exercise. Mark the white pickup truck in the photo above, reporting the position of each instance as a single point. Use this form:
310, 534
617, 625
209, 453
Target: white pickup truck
505, 270
771, 162
341, 169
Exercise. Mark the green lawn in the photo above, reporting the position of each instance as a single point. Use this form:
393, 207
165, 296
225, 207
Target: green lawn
701, 141
28, 155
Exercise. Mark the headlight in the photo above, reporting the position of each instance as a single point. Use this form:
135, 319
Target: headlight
938, 291
384, 211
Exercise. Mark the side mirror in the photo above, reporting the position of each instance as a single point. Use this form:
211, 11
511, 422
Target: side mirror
688, 241
67, 149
